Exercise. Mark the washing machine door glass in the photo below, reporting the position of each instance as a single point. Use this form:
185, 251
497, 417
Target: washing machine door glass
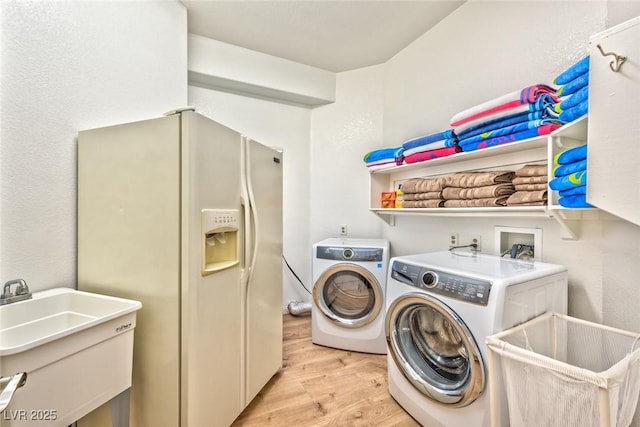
434, 349
349, 295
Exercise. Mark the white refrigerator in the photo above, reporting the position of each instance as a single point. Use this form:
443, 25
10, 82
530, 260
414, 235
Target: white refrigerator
185, 215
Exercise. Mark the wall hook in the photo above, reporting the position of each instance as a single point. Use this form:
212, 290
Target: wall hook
618, 61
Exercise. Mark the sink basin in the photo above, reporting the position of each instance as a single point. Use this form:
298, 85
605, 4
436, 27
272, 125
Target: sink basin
53, 314
76, 348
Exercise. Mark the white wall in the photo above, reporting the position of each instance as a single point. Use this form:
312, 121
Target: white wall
68, 66
483, 50
283, 126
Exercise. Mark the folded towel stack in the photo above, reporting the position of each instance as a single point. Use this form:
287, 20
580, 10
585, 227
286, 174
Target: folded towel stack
384, 158
530, 185
574, 91
523, 114
432, 146
570, 177
423, 193
478, 189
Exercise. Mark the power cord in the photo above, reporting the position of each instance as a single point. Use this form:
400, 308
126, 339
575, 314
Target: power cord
295, 275
473, 246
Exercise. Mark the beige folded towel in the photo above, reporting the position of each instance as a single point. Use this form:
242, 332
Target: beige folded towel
423, 204
479, 179
532, 170
529, 180
531, 187
423, 196
488, 191
422, 185
476, 203
527, 198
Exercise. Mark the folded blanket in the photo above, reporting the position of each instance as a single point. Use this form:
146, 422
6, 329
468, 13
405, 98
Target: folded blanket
570, 168
574, 202
530, 187
529, 198
574, 85
518, 136
445, 135
423, 185
573, 100
575, 191
546, 101
574, 112
528, 95
477, 203
575, 70
572, 155
478, 179
429, 195
485, 192
507, 130
538, 179
423, 204
382, 154
506, 120
568, 181
426, 147
432, 154
532, 170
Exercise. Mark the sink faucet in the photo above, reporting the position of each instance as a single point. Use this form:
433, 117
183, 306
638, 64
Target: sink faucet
21, 293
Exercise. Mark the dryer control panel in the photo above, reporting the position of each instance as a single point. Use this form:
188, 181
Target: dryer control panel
336, 253
438, 282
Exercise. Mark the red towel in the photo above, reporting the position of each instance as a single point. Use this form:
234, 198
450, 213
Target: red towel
432, 154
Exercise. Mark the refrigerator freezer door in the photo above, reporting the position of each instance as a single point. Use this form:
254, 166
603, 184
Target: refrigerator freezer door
129, 246
211, 301
263, 294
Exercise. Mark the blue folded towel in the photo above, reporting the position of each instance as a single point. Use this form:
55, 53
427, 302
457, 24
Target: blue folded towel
574, 85
571, 155
546, 113
576, 70
569, 168
574, 113
518, 127
569, 181
383, 154
573, 100
574, 202
446, 135
575, 191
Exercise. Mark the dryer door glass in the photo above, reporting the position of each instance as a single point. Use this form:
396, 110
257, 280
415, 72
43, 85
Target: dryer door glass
349, 295
435, 350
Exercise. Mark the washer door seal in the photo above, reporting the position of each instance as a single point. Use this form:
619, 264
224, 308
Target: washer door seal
434, 349
349, 295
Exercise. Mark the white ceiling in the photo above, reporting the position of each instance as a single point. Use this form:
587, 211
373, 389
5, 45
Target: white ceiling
332, 35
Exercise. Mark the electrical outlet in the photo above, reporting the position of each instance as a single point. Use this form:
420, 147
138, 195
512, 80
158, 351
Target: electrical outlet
343, 229
453, 239
476, 239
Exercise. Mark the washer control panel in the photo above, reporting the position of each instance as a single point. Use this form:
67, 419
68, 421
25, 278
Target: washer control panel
336, 253
462, 288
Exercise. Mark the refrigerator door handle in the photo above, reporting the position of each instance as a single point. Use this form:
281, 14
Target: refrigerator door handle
253, 214
246, 214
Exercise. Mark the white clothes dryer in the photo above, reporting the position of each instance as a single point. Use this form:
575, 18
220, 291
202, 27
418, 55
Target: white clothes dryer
349, 277
441, 306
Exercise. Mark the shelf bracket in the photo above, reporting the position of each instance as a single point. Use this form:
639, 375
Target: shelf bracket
389, 219
570, 229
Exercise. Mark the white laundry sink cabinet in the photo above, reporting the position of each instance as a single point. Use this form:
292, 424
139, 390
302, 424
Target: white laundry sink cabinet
76, 348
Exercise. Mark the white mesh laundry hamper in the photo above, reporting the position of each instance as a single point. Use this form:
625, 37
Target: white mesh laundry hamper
559, 371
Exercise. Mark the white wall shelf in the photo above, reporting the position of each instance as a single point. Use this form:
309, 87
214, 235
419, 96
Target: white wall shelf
508, 157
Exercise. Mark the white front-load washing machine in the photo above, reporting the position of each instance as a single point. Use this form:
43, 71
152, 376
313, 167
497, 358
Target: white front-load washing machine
441, 306
349, 277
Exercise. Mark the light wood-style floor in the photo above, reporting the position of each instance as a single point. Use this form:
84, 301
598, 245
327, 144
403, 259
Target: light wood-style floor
320, 386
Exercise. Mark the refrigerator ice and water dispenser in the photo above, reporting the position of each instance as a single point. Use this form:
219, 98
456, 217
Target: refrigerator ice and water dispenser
219, 239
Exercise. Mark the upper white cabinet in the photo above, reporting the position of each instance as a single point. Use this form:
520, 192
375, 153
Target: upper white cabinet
613, 170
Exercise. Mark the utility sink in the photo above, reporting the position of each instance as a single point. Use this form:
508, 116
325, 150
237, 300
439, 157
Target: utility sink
76, 348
